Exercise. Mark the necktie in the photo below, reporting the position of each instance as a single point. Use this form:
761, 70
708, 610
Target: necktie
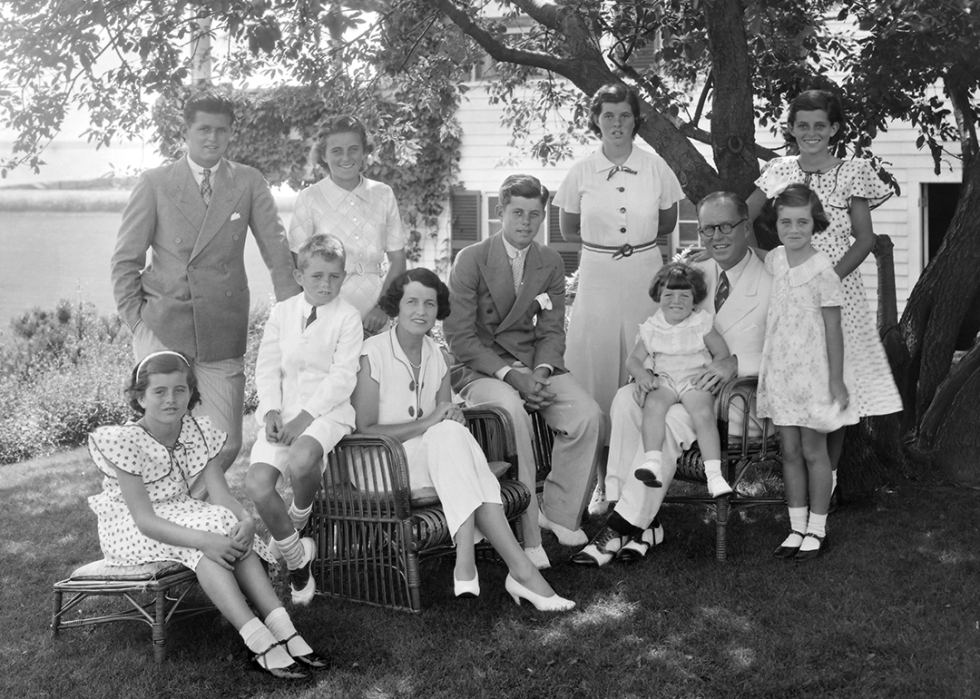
620, 168
312, 317
721, 293
517, 267
206, 187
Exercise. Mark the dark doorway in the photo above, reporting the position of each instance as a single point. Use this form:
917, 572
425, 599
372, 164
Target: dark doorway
940, 203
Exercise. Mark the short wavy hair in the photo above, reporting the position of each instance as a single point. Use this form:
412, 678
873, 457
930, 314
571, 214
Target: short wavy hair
614, 93
209, 102
817, 100
801, 195
392, 299
167, 362
523, 186
323, 245
679, 275
343, 123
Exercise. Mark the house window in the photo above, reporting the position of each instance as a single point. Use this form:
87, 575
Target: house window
470, 218
687, 229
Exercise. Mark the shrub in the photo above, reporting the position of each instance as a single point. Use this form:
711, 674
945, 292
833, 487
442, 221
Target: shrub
62, 374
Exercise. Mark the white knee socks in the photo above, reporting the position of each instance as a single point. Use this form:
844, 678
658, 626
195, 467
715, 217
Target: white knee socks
291, 551
281, 626
259, 639
299, 517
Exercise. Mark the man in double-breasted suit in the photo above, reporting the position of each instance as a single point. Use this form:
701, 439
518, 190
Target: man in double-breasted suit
506, 332
740, 305
191, 295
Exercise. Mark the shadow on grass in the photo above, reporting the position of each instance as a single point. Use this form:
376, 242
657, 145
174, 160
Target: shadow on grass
889, 611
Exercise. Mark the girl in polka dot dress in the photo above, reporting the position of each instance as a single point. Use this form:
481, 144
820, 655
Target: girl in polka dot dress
848, 190
146, 513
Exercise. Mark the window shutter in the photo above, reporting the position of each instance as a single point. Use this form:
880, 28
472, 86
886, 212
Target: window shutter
465, 226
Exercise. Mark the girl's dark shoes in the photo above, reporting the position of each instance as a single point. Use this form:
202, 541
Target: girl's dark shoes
291, 672
803, 556
312, 661
788, 551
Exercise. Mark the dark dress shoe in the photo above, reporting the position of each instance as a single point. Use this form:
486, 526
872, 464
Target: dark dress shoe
787, 551
312, 661
290, 672
803, 556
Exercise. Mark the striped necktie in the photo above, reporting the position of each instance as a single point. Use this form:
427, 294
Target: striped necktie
517, 268
206, 187
721, 293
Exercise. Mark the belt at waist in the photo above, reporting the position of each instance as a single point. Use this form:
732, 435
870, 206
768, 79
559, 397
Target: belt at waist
363, 268
624, 250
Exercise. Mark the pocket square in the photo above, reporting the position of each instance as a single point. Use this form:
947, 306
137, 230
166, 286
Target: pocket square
235, 216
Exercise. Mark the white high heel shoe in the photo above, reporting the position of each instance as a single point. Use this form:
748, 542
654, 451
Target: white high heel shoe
467, 588
542, 604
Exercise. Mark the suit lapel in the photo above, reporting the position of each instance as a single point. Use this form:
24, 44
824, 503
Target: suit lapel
227, 192
744, 297
183, 192
499, 278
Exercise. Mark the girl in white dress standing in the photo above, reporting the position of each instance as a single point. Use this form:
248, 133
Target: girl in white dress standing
804, 378
146, 513
361, 212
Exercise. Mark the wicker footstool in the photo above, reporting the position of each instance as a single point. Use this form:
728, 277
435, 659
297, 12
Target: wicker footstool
156, 593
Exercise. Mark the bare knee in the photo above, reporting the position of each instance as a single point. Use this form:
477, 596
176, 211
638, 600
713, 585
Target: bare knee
260, 481
305, 454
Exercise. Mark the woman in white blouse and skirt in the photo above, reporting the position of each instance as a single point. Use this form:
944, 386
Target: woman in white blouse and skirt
616, 202
361, 212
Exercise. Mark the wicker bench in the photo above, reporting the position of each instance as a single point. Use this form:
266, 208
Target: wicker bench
372, 530
157, 594
741, 453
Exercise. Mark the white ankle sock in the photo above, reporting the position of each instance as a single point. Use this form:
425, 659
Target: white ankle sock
281, 626
717, 485
797, 522
258, 638
299, 517
653, 460
817, 524
291, 550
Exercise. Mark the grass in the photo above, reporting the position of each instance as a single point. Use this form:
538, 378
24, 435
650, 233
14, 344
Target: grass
890, 611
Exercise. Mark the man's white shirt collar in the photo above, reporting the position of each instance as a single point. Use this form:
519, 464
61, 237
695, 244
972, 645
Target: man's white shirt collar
198, 170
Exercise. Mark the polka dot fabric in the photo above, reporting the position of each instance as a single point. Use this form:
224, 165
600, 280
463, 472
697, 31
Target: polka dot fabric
874, 389
167, 474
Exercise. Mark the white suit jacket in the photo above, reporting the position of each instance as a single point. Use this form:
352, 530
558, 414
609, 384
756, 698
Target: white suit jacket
309, 368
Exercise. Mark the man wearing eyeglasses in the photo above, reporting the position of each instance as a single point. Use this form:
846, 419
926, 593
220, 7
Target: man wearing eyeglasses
739, 288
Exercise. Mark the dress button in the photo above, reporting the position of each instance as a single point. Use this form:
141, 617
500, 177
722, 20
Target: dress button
228, 293
411, 411
620, 189
622, 209
235, 237
177, 240
622, 230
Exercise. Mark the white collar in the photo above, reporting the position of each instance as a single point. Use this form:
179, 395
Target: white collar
198, 170
510, 249
735, 273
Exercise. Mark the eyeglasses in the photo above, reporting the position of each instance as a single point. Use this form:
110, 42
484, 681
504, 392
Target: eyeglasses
723, 228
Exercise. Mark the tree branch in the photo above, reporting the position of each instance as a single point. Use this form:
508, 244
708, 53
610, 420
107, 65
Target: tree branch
498, 50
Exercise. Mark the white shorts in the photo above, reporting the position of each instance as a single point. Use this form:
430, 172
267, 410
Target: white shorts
324, 430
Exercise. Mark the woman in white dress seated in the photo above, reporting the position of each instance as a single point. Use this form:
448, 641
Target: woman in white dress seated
403, 392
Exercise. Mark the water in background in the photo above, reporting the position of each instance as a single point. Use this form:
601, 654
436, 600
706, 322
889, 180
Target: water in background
49, 256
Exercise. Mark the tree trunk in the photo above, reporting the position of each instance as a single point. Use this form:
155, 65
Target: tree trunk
938, 309
732, 117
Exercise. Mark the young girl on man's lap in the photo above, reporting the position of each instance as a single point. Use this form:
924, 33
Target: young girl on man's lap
803, 381
673, 347
146, 513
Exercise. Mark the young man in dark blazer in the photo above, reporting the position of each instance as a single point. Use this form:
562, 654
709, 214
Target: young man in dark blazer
192, 295
506, 332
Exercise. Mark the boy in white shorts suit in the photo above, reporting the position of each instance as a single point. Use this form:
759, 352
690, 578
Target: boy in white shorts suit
305, 374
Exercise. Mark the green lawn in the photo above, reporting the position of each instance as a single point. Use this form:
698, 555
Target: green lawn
892, 610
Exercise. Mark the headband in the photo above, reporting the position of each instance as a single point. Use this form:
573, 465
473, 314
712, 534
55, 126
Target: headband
151, 355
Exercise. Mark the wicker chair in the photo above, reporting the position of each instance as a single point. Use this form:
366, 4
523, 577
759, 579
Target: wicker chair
157, 594
372, 530
740, 453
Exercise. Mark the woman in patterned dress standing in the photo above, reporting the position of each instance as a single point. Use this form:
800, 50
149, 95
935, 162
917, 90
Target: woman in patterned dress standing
361, 212
848, 189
